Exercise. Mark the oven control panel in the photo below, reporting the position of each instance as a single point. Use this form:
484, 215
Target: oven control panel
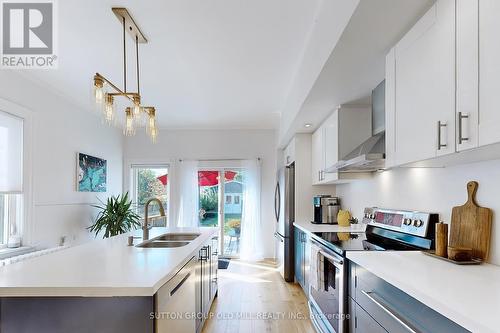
410, 222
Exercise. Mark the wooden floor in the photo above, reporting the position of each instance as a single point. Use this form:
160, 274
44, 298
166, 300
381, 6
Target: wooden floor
253, 297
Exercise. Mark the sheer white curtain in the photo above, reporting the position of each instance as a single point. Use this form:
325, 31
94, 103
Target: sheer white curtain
251, 244
187, 180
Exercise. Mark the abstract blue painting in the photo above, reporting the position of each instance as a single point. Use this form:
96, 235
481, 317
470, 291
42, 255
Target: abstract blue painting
91, 173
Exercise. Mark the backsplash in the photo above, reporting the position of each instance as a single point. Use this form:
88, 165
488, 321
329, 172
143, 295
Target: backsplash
435, 190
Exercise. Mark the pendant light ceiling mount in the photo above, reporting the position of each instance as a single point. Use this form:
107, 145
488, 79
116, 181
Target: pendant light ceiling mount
105, 91
132, 28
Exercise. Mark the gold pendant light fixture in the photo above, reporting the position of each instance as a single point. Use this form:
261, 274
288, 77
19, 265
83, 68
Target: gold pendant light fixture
105, 92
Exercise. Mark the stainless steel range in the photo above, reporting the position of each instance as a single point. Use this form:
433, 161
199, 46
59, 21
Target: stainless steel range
393, 230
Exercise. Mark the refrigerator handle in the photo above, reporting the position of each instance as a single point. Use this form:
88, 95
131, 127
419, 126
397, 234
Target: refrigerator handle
277, 202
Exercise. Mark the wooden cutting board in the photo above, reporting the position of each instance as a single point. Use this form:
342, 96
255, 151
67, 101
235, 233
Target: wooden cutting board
471, 225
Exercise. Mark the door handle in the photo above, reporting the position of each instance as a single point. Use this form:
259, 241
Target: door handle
461, 117
277, 236
387, 310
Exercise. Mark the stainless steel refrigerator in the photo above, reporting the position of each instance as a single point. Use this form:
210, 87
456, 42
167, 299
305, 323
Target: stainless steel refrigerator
284, 209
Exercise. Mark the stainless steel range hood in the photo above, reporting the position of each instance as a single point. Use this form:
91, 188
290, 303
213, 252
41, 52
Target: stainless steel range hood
370, 155
367, 157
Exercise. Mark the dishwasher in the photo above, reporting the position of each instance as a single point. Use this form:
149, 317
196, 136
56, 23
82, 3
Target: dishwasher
175, 302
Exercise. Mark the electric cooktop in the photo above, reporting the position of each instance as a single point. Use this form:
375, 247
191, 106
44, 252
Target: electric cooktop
386, 230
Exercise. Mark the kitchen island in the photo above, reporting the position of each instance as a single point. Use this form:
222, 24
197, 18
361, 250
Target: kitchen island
74, 289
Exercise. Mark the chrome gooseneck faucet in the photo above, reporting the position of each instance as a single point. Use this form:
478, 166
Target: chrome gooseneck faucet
145, 227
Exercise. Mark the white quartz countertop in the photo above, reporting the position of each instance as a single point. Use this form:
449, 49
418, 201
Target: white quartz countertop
310, 227
101, 268
468, 295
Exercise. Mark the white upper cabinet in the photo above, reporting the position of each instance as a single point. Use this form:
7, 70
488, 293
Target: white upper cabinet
345, 129
424, 105
478, 73
489, 72
445, 71
331, 145
318, 158
467, 110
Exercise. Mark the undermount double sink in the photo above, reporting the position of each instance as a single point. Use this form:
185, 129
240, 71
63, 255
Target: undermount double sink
170, 240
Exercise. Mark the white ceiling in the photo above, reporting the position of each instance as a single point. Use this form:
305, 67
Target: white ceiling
208, 63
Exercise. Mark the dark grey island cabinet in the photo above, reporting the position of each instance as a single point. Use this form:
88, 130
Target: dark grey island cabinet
76, 314
180, 305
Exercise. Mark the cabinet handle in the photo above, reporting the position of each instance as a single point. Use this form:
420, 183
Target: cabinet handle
204, 253
319, 175
461, 117
387, 310
440, 125
177, 287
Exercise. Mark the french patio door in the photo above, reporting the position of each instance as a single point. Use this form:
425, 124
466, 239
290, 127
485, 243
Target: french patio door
221, 205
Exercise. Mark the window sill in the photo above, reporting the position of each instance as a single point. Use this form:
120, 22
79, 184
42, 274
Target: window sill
6, 253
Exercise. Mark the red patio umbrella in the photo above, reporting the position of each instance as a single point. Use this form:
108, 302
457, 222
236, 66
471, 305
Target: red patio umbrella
205, 178
211, 178
163, 179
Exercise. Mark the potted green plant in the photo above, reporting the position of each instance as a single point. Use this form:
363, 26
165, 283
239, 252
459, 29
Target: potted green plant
115, 217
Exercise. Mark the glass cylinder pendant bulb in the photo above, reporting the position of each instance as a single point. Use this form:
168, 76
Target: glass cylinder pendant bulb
152, 129
99, 94
129, 123
137, 107
109, 110
153, 134
152, 123
151, 120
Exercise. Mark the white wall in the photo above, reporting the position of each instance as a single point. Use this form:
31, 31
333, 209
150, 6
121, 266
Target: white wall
214, 144
431, 190
60, 130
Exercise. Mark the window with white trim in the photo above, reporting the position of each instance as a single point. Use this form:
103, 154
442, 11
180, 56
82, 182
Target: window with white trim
11, 176
11, 213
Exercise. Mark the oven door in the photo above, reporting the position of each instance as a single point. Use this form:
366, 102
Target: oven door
327, 290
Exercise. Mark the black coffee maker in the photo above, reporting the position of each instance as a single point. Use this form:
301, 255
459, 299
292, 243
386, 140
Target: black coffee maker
326, 209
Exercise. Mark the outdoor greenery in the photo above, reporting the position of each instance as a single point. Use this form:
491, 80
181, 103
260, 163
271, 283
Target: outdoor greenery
209, 199
115, 217
148, 186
